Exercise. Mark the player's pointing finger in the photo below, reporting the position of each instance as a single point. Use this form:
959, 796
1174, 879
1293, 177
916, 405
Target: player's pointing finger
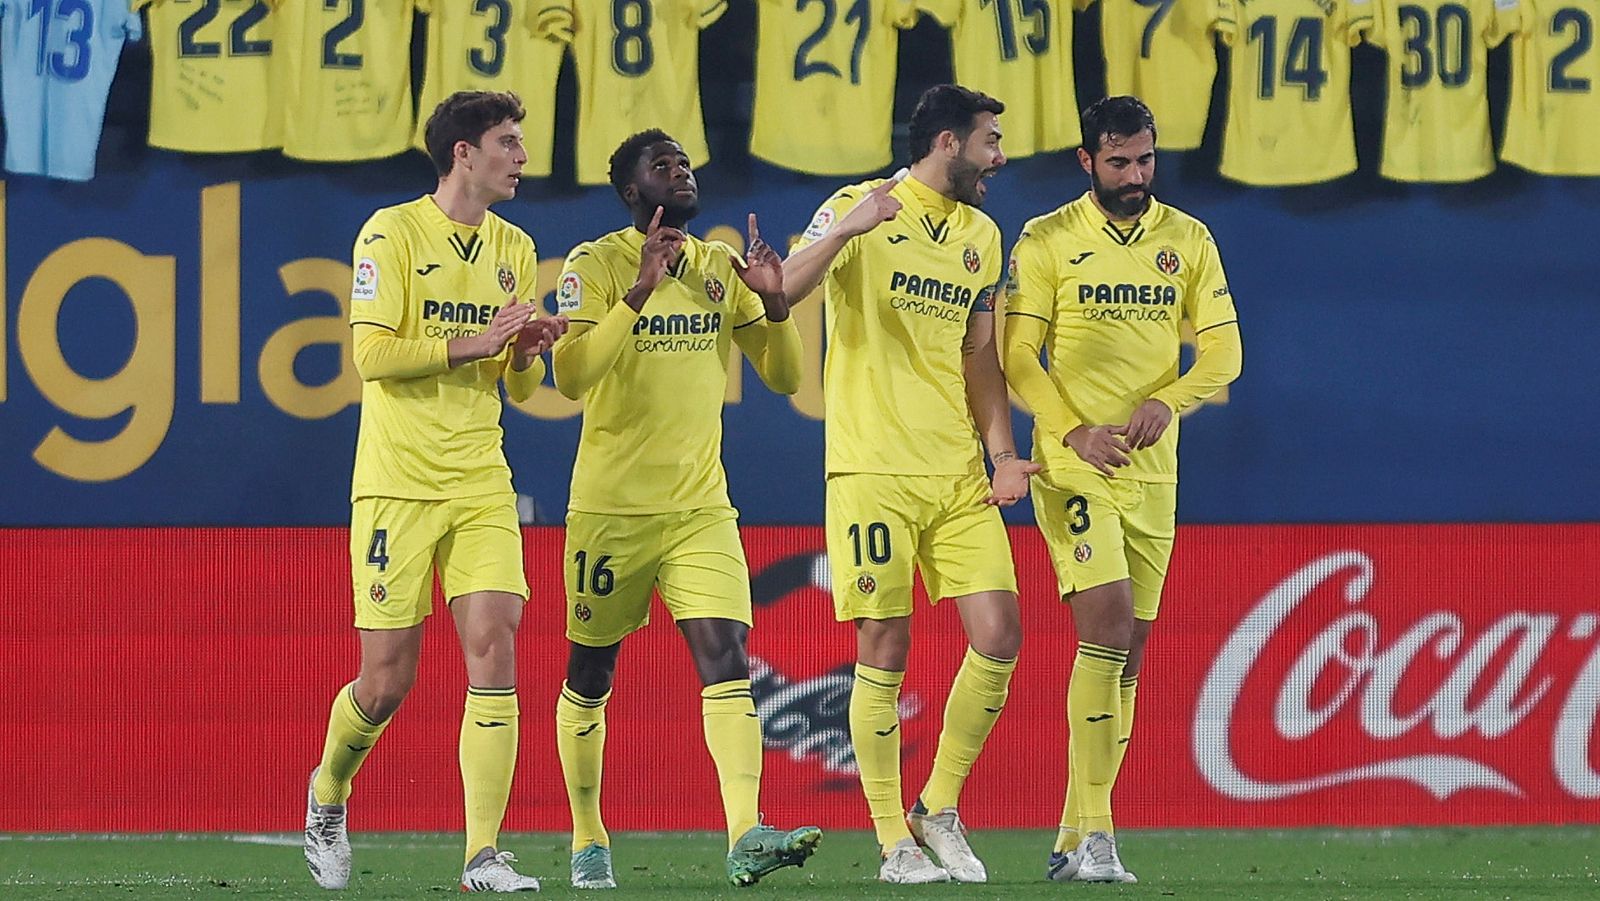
655, 222
755, 233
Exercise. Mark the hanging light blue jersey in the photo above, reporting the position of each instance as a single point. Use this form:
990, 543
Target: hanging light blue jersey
57, 58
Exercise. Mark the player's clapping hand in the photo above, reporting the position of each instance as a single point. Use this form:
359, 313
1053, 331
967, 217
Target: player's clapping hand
662, 244
538, 335
1147, 424
1009, 483
1099, 446
873, 209
503, 328
762, 270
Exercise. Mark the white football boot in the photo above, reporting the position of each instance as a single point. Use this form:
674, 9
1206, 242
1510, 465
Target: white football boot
327, 841
944, 835
1100, 862
905, 864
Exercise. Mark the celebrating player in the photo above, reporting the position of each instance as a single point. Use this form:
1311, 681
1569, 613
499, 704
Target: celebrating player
910, 266
655, 312
437, 325
1100, 285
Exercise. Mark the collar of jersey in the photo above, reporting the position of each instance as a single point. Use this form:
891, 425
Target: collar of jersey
1096, 221
436, 215
634, 239
932, 202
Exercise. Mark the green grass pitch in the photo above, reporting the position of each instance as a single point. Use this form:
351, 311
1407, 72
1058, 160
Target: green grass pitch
1509, 863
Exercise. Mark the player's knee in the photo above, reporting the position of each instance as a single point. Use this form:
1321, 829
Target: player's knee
380, 694
1003, 642
590, 670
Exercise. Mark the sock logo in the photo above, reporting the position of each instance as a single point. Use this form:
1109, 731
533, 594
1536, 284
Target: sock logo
1101, 718
992, 709
587, 730
359, 748
887, 732
490, 725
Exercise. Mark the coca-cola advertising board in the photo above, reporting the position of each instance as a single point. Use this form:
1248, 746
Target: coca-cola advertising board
179, 679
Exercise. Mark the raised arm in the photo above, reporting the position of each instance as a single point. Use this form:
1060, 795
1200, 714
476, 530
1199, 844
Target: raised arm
808, 265
769, 338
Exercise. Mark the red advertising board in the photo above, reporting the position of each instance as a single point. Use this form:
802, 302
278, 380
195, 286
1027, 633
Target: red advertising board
179, 679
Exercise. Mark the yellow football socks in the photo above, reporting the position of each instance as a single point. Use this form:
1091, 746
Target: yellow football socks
875, 735
1094, 714
581, 745
976, 698
489, 732
733, 736
351, 735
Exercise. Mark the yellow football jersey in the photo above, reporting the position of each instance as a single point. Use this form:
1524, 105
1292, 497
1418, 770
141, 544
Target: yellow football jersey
898, 300
652, 425
1019, 51
1289, 89
1553, 119
212, 60
1163, 52
825, 74
1113, 300
1437, 125
498, 45
343, 73
426, 277
638, 68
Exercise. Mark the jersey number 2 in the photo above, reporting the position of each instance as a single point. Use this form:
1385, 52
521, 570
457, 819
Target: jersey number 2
1582, 42
350, 24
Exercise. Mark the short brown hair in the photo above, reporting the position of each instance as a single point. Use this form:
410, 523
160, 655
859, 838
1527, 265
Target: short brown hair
465, 116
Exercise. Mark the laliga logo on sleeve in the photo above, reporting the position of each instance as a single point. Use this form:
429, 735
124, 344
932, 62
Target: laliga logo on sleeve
366, 280
821, 224
1366, 670
569, 295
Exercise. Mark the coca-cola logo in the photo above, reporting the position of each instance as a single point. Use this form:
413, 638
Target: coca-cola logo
1363, 663
808, 718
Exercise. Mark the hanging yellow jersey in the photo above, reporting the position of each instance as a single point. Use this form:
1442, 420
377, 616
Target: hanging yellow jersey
1553, 119
898, 300
825, 74
1019, 51
652, 425
212, 64
638, 68
1164, 53
1113, 299
435, 436
1436, 128
498, 45
344, 72
1289, 88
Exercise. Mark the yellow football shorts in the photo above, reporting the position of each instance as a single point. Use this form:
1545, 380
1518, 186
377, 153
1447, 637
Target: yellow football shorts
396, 544
1102, 530
613, 561
880, 528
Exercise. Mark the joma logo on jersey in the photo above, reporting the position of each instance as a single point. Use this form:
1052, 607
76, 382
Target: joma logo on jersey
930, 288
679, 324
459, 311
1149, 295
